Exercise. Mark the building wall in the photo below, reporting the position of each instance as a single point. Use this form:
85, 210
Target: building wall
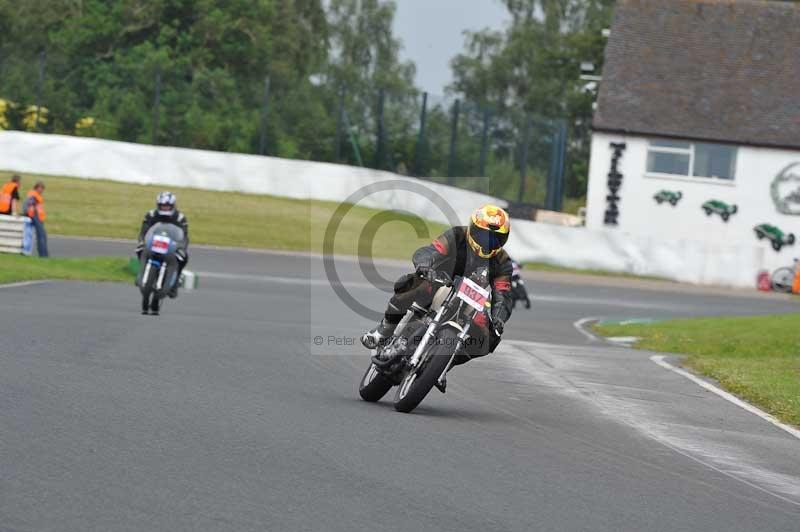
639, 214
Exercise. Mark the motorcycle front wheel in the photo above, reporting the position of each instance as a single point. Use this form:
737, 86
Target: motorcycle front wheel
374, 385
147, 287
416, 384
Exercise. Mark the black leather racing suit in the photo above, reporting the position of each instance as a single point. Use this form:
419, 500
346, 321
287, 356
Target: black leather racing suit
450, 253
153, 217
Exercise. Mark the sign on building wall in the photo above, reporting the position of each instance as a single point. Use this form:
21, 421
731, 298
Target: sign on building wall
614, 184
786, 190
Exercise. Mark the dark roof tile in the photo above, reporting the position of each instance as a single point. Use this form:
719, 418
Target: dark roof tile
719, 70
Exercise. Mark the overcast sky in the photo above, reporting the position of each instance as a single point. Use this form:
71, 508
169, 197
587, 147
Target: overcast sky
432, 33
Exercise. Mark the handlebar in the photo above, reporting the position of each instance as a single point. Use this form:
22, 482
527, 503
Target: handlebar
436, 277
444, 279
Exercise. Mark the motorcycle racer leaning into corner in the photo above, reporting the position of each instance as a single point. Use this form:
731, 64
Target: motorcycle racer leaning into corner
458, 251
166, 212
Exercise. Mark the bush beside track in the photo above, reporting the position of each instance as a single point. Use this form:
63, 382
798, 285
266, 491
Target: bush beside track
757, 358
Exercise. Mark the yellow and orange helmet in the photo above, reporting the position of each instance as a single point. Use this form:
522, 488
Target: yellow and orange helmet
488, 231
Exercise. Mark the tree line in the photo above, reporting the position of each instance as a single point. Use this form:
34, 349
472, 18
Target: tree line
291, 76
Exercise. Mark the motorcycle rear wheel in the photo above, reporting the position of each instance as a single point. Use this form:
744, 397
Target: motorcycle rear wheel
416, 385
374, 385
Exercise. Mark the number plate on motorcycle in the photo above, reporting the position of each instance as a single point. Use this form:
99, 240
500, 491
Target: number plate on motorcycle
160, 244
475, 295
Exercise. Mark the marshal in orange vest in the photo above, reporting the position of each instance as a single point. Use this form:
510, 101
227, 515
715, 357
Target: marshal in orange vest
35, 204
8, 194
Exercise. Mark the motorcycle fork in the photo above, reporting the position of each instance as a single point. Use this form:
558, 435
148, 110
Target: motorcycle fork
161, 272
146, 274
414, 360
404, 322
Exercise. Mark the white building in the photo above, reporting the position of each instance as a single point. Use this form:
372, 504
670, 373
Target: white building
700, 105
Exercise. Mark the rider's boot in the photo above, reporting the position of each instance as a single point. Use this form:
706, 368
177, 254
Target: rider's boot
173, 292
378, 335
441, 385
461, 358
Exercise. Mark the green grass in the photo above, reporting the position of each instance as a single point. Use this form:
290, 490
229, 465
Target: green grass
14, 268
571, 205
757, 358
99, 208
546, 267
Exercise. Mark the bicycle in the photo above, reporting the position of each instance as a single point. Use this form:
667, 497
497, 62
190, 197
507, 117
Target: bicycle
783, 278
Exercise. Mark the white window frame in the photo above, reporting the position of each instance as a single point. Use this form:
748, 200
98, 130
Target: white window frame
690, 177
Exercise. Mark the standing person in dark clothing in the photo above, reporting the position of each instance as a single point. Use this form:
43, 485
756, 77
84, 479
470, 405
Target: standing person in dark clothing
9, 197
167, 212
34, 209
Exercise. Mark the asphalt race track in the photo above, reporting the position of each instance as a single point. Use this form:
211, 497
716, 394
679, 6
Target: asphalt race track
224, 414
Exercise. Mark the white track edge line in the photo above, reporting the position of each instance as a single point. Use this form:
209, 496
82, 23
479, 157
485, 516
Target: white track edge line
24, 283
660, 360
580, 327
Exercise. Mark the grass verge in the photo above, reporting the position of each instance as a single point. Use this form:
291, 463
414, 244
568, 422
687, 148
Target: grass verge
546, 267
15, 268
757, 358
99, 208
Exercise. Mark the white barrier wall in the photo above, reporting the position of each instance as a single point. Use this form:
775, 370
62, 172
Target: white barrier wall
143, 164
12, 234
689, 260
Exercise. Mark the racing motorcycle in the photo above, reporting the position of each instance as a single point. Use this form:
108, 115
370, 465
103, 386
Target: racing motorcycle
158, 269
426, 341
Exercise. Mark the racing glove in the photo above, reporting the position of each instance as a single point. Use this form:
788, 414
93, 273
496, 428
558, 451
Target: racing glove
425, 268
427, 273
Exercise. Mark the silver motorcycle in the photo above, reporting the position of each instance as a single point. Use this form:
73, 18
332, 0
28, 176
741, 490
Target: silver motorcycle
158, 270
426, 341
